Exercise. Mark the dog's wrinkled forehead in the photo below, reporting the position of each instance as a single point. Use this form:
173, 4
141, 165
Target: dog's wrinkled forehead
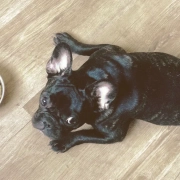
61, 91
60, 94
55, 83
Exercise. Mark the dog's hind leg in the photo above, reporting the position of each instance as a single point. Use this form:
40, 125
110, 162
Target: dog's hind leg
81, 48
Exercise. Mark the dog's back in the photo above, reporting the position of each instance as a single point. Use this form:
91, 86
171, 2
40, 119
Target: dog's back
156, 77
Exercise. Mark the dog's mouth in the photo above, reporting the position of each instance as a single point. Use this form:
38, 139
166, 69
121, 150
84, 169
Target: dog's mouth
53, 133
55, 126
46, 124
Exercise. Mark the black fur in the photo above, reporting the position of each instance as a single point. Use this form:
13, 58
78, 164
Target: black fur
110, 90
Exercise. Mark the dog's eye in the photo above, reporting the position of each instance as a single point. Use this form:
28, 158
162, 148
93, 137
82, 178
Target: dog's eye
44, 102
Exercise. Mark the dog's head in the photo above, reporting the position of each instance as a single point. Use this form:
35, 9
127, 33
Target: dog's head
60, 102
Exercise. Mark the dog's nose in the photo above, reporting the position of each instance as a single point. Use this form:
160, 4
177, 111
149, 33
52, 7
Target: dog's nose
39, 125
38, 122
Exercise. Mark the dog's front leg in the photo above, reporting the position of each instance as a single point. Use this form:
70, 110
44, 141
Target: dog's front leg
83, 136
81, 48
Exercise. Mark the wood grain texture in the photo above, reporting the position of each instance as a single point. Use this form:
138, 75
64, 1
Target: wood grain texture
149, 152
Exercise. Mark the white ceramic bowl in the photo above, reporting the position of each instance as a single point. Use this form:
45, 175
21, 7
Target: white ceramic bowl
2, 89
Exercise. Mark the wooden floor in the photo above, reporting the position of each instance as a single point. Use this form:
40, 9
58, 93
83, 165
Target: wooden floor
149, 152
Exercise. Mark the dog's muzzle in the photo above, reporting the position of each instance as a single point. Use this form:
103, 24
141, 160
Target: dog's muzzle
42, 121
46, 124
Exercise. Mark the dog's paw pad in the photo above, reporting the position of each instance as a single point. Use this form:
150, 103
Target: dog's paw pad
57, 146
61, 38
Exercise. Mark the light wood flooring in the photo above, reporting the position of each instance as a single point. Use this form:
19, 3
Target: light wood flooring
149, 152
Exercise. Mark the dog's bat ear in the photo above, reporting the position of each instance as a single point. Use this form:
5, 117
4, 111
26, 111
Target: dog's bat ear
103, 92
61, 60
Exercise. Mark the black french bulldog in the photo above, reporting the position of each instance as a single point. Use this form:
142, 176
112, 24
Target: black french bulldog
110, 90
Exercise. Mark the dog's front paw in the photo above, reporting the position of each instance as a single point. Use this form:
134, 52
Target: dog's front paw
58, 146
64, 38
